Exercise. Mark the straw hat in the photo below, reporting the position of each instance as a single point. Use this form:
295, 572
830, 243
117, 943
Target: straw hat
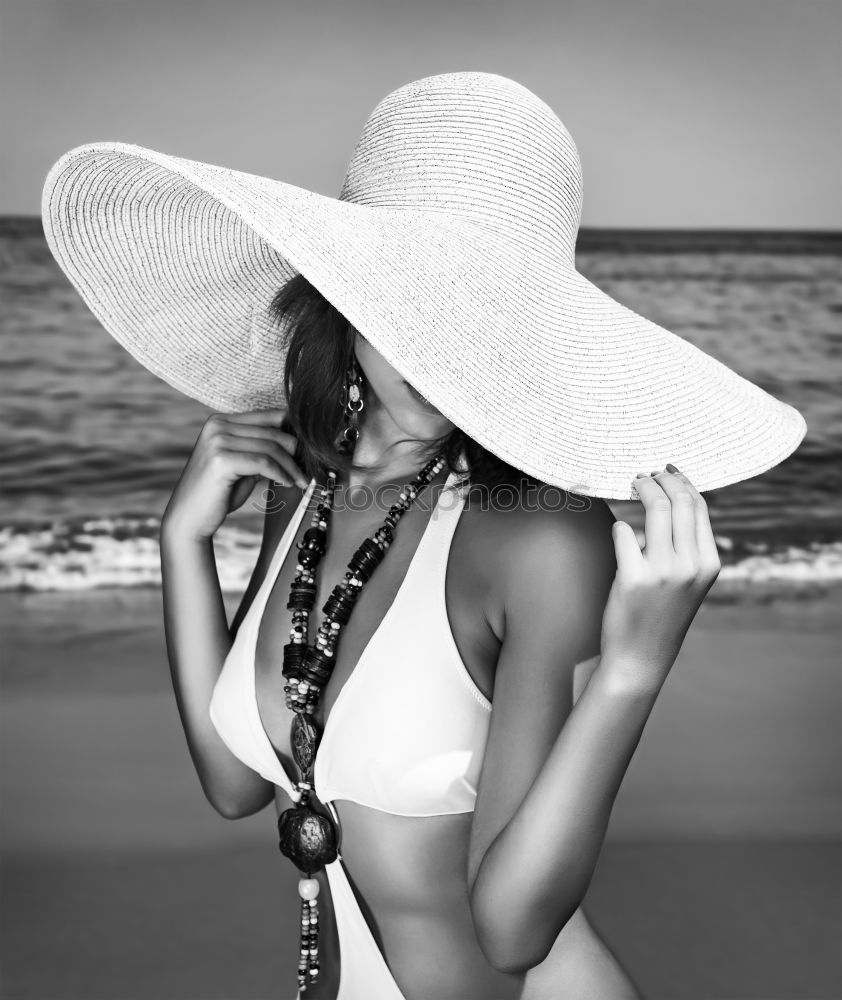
451, 248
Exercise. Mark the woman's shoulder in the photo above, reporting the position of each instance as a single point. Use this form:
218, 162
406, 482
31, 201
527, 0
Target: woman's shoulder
541, 523
553, 562
547, 548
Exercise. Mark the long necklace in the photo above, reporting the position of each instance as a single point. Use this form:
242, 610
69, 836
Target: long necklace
309, 838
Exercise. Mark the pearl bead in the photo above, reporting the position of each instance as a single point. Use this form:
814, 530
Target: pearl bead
308, 888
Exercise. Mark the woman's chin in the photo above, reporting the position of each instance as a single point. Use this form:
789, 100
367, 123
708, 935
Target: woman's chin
421, 403
422, 422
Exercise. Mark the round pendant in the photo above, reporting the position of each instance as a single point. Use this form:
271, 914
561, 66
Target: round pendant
307, 838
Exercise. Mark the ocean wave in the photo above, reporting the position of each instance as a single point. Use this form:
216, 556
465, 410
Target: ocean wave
109, 552
792, 569
103, 553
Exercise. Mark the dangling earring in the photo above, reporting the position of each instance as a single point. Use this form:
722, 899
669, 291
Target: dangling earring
352, 403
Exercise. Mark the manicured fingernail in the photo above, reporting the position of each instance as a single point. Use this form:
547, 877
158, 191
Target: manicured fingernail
672, 468
641, 475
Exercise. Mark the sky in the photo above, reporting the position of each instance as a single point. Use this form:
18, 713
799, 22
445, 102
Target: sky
686, 113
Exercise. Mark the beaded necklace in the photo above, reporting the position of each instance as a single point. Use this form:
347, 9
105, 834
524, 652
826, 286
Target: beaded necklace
309, 838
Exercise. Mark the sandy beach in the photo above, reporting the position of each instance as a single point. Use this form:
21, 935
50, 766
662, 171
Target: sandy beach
719, 881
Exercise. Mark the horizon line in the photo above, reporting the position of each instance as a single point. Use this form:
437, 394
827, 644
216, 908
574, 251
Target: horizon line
723, 229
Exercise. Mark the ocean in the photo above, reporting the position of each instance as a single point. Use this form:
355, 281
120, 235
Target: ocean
93, 443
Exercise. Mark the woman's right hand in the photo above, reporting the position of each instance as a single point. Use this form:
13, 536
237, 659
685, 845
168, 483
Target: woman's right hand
232, 452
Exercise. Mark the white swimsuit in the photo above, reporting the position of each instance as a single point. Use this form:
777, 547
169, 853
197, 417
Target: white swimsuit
421, 760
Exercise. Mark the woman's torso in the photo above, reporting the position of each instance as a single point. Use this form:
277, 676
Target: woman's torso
409, 873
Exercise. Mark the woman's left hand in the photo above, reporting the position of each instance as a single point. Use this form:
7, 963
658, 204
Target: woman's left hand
658, 590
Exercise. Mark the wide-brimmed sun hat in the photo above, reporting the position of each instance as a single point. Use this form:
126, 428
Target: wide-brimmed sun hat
451, 248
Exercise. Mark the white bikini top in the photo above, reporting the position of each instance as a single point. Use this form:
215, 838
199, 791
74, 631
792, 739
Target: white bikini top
407, 732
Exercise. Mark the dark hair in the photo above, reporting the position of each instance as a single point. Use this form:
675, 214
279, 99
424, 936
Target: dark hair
319, 351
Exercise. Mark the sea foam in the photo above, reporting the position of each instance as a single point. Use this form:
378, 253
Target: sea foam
79, 555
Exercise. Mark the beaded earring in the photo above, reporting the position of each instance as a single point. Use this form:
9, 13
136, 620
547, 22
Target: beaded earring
352, 403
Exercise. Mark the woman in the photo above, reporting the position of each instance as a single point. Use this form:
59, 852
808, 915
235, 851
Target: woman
444, 741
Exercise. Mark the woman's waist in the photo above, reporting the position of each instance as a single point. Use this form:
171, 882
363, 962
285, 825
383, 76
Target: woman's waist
398, 860
405, 865
409, 878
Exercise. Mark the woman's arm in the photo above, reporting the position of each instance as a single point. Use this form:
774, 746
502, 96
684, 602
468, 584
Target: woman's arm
548, 785
232, 452
198, 640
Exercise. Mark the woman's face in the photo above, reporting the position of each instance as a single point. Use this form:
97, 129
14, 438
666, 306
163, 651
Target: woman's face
404, 405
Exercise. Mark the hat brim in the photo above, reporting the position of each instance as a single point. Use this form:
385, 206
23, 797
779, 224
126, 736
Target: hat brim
179, 261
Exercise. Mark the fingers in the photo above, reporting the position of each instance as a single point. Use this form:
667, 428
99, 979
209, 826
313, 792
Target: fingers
288, 441
237, 464
705, 540
658, 519
275, 417
629, 556
255, 433
255, 424
683, 507
265, 446
677, 523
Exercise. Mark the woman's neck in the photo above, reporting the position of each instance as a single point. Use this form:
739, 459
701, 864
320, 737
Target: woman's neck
384, 452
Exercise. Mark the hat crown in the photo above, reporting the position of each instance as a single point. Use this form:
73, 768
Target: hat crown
475, 145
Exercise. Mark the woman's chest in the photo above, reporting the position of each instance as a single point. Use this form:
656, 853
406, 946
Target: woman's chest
417, 640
